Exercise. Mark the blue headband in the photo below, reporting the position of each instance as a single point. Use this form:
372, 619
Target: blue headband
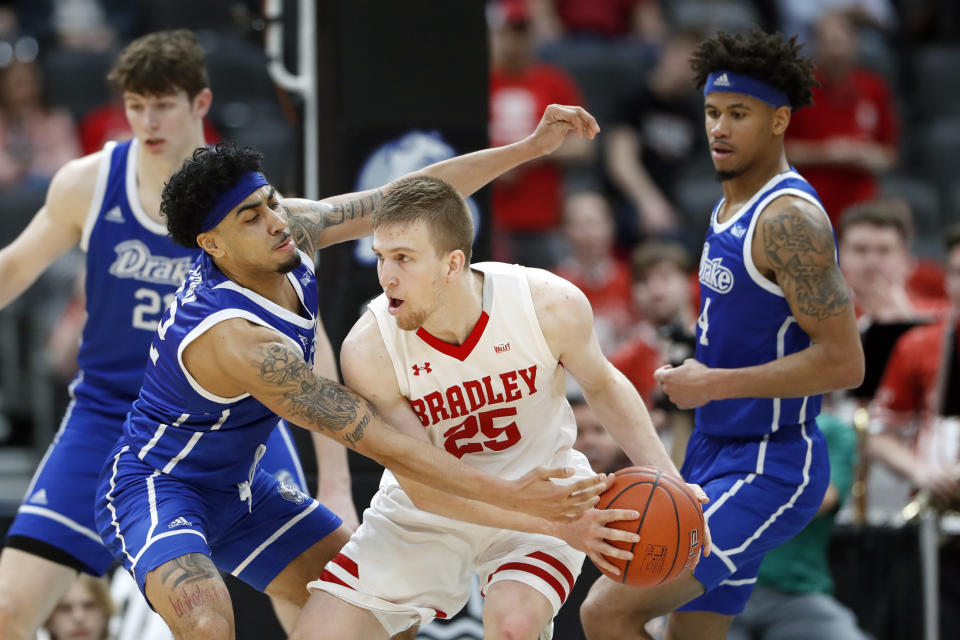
731, 82
248, 183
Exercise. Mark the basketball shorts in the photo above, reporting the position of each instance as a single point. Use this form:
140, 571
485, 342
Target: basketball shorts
762, 492
55, 520
407, 566
147, 518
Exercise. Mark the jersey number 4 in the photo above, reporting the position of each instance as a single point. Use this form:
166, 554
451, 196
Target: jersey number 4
704, 322
498, 437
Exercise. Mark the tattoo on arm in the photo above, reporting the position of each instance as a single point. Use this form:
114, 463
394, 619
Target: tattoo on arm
800, 250
187, 569
321, 402
308, 222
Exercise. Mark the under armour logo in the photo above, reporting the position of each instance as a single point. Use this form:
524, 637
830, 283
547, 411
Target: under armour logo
417, 368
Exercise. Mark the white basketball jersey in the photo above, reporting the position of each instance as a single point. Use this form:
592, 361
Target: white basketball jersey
496, 401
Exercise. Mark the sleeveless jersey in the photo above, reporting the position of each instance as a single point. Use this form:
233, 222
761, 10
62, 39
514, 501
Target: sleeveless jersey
132, 264
496, 401
180, 428
745, 319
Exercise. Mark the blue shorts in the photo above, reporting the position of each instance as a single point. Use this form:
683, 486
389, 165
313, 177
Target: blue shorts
147, 518
762, 491
56, 521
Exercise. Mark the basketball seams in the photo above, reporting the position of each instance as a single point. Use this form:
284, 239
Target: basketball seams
686, 492
676, 548
640, 520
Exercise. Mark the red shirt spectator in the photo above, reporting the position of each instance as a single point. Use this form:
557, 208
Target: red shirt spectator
851, 131
529, 198
611, 18
909, 391
637, 360
859, 108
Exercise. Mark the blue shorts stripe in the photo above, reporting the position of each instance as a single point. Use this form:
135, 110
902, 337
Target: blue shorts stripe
808, 457
276, 534
62, 519
112, 509
283, 431
759, 497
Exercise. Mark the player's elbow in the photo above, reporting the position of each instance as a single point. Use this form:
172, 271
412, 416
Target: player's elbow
850, 371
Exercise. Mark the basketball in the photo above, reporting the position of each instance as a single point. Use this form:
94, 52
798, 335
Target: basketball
670, 526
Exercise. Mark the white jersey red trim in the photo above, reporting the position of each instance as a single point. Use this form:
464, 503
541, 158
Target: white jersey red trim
496, 401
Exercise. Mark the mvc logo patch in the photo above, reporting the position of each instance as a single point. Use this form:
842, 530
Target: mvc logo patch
291, 492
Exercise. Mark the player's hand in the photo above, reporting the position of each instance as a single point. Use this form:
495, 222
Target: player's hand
559, 120
706, 545
536, 494
687, 386
589, 534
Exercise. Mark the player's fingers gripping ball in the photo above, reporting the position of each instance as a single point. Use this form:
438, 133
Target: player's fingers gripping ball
670, 526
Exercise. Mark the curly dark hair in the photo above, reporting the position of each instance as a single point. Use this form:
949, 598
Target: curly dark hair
193, 190
768, 57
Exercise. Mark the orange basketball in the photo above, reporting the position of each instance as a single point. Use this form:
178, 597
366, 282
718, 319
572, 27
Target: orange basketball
670, 525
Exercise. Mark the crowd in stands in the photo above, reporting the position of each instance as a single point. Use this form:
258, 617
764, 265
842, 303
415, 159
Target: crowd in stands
624, 219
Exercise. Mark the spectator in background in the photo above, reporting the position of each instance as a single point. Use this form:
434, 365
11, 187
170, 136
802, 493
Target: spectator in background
84, 611
598, 19
851, 132
661, 291
36, 137
593, 441
527, 200
874, 250
592, 265
665, 297
801, 17
915, 429
657, 131
794, 593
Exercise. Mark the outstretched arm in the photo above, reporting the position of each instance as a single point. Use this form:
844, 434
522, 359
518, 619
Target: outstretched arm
346, 217
53, 231
236, 357
793, 246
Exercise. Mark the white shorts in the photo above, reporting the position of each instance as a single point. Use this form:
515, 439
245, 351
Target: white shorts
408, 566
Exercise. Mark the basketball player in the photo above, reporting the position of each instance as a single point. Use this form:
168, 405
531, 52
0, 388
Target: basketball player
776, 330
181, 493
469, 357
108, 203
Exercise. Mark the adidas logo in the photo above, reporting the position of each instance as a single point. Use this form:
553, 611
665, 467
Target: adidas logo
722, 81
179, 522
114, 215
40, 497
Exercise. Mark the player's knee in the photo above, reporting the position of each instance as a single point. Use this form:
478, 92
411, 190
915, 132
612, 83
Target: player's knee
517, 625
602, 620
210, 625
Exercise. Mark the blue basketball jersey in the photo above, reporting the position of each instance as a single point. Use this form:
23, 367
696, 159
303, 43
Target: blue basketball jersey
133, 270
178, 427
745, 319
